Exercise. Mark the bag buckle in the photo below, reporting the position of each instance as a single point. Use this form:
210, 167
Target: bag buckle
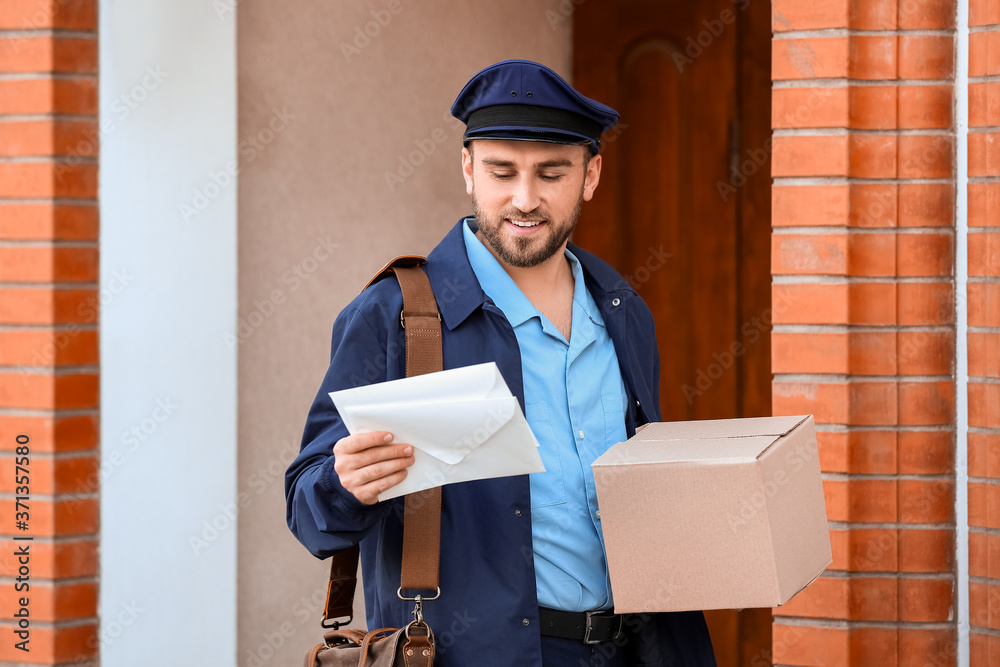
418, 608
335, 625
590, 626
402, 320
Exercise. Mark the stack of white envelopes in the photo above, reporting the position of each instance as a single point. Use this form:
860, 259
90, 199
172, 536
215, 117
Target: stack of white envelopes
463, 423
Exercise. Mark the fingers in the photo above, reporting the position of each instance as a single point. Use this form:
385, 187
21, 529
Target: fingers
361, 441
369, 493
368, 465
367, 483
376, 471
367, 449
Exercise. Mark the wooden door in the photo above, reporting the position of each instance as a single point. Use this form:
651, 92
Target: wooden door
683, 208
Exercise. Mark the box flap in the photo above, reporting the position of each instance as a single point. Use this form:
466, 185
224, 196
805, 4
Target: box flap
793, 481
709, 450
719, 428
806, 585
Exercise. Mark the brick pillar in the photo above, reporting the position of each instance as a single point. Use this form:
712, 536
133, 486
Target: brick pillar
49, 306
862, 263
983, 293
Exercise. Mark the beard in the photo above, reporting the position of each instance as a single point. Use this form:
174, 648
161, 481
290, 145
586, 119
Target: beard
520, 251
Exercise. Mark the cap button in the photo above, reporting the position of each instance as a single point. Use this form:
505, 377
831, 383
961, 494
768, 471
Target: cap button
528, 93
513, 93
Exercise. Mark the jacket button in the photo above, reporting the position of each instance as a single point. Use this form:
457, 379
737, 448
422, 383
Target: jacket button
517, 512
525, 622
616, 301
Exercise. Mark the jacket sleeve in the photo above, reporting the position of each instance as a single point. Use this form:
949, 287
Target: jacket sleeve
320, 512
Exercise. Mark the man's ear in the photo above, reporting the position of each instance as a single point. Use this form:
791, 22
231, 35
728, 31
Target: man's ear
467, 169
591, 177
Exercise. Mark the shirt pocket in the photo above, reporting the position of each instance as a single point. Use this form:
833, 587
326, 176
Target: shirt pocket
614, 418
549, 487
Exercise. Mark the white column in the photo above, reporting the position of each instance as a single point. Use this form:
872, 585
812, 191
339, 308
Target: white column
961, 331
168, 383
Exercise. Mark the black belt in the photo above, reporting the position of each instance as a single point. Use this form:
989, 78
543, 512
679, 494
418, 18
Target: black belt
589, 627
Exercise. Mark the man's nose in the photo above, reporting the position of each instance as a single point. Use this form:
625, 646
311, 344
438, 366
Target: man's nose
525, 195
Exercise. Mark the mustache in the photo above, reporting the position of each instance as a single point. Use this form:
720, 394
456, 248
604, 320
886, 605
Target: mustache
536, 215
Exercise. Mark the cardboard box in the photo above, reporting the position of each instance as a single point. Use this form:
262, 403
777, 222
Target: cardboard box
720, 514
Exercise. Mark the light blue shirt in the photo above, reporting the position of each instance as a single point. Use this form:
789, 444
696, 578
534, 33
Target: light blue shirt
575, 404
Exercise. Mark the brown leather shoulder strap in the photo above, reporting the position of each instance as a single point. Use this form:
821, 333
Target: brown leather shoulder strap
396, 262
340, 590
422, 515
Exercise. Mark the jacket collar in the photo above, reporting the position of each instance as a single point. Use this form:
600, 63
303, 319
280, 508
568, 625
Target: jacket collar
456, 288
459, 293
602, 280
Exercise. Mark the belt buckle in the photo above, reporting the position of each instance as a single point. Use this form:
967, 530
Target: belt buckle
590, 626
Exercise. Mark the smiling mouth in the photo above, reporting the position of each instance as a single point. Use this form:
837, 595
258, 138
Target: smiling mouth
524, 223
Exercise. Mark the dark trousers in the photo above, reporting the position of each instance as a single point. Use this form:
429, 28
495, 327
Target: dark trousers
558, 652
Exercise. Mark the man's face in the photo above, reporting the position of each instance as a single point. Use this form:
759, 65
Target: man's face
526, 195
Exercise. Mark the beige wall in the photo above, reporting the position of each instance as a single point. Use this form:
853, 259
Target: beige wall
327, 128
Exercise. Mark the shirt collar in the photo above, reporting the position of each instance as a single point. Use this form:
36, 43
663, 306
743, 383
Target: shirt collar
581, 294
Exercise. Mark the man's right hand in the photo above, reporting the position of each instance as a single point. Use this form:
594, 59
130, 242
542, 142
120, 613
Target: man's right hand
370, 463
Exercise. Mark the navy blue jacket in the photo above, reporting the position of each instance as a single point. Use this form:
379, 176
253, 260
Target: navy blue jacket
487, 614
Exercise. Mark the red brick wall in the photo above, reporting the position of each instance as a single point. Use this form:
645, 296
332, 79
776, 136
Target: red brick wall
984, 332
49, 303
862, 258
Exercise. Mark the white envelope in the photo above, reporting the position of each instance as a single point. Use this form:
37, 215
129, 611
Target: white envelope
463, 423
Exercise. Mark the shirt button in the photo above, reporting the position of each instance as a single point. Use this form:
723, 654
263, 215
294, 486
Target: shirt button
525, 622
581, 435
616, 301
598, 514
517, 512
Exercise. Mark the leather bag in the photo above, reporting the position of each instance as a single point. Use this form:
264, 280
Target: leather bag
413, 644
379, 648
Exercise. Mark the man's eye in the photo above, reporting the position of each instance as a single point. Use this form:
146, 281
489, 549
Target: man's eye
550, 177
502, 176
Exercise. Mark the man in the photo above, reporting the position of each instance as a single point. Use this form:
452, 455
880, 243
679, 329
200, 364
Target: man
523, 568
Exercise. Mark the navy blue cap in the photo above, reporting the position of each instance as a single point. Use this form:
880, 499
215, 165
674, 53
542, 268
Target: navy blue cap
522, 100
